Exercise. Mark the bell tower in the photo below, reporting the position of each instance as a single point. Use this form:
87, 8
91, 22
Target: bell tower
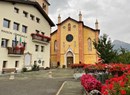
44, 4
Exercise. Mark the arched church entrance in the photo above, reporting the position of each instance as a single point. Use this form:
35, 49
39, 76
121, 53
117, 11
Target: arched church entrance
69, 57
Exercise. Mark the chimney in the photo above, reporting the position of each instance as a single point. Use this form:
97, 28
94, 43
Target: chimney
96, 25
80, 16
59, 19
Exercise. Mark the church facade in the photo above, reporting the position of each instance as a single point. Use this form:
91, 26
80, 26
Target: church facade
72, 42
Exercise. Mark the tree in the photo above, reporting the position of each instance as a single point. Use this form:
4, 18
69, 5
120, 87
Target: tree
123, 56
104, 49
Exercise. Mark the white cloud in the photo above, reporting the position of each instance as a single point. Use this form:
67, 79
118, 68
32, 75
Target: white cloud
113, 15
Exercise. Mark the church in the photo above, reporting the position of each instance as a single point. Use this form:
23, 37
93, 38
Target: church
72, 42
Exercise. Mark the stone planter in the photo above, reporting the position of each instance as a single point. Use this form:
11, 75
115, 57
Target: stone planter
119, 73
93, 92
77, 75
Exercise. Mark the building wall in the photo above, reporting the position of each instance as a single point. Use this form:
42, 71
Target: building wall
41, 2
53, 52
74, 46
90, 56
43, 26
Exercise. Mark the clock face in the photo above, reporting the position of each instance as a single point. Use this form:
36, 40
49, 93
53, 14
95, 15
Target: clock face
69, 37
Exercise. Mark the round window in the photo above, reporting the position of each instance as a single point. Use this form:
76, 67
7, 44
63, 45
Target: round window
69, 37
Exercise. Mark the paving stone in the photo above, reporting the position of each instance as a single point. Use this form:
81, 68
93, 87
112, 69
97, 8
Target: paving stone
39, 83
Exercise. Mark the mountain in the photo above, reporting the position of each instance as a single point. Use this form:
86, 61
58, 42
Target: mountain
117, 44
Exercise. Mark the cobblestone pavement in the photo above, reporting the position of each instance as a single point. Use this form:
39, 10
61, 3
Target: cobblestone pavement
39, 83
71, 88
30, 87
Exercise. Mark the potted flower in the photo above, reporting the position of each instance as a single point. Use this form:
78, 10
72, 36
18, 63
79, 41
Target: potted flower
22, 49
117, 86
117, 69
90, 83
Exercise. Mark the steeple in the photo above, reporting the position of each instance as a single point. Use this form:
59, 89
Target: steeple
96, 25
44, 4
80, 16
59, 19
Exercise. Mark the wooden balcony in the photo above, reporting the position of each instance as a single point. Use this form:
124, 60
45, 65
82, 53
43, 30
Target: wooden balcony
15, 51
39, 38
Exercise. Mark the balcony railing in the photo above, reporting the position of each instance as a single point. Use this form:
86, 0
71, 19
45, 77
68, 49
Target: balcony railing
40, 38
15, 51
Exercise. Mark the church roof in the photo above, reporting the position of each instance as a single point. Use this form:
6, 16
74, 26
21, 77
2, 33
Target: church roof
54, 32
36, 5
69, 18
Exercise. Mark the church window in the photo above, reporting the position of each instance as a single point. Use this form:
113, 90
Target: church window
55, 45
74, 26
89, 44
63, 27
69, 37
63, 44
69, 27
74, 43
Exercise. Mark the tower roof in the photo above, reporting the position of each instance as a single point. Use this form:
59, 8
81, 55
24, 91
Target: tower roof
35, 4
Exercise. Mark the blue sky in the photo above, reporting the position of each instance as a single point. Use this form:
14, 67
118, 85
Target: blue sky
113, 15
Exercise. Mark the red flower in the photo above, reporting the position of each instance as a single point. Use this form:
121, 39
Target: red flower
123, 92
90, 83
110, 86
122, 84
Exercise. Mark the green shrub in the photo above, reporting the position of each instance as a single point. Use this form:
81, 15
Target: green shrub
35, 67
63, 66
24, 69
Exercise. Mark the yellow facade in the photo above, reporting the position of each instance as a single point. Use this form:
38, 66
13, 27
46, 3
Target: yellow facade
77, 50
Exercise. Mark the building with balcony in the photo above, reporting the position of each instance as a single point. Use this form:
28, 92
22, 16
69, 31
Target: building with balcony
24, 34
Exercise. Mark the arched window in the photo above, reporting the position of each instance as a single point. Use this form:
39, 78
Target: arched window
55, 45
89, 44
69, 27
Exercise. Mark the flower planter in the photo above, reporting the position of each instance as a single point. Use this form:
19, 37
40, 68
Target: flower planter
93, 92
119, 73
77, 75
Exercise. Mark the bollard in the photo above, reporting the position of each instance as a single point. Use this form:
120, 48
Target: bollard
11, 76
50, 74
